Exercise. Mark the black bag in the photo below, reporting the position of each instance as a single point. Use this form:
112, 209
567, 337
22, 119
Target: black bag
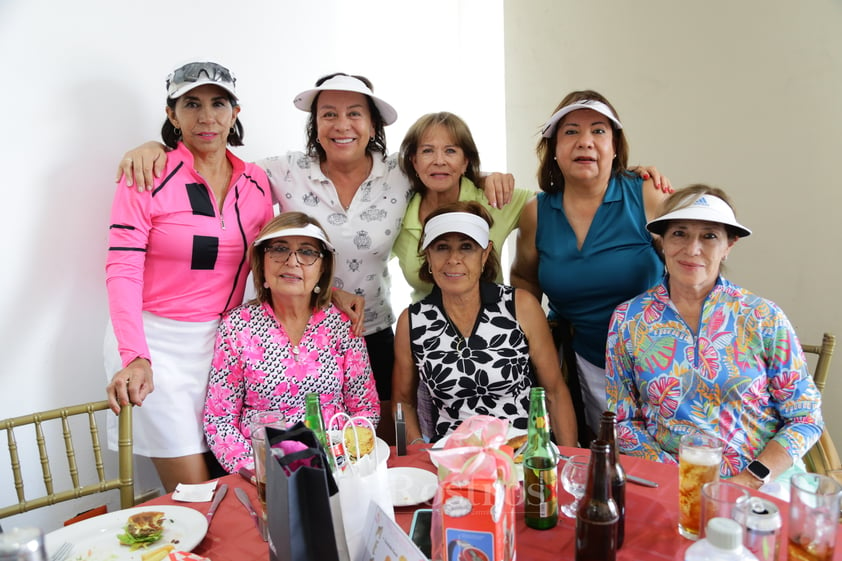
298, 502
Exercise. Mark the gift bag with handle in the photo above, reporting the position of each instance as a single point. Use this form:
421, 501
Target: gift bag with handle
362, 479
299, 487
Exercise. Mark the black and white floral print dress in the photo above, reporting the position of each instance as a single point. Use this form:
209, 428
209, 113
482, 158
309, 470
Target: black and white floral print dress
487, 374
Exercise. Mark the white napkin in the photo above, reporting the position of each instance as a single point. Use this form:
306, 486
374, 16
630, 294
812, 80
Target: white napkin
199, 493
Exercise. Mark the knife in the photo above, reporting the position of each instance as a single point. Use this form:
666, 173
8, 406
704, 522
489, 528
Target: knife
629, 477
220, 494
244, 498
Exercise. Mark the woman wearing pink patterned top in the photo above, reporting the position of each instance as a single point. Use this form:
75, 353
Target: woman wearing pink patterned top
288, 342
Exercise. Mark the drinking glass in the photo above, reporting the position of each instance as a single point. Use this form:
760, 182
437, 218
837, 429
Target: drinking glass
699, 456
574, 479
257, 426
813, 517
22, 544
721, 499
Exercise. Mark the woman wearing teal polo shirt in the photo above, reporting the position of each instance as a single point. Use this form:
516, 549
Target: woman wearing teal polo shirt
583, 241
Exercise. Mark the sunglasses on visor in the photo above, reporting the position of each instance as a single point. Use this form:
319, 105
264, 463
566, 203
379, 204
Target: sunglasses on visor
195, 71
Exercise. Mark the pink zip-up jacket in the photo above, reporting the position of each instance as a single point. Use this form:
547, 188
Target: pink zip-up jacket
171, 251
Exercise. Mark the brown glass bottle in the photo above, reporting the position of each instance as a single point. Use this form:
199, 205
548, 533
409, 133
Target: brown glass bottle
597, 517
608, 433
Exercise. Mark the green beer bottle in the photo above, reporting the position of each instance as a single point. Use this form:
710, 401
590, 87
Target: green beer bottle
540, 465
314, 421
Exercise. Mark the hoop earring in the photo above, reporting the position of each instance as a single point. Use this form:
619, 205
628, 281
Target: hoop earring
177, 132
317, 289
232, 131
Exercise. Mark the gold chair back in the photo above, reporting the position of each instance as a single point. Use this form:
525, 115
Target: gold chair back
124, 481
823, 457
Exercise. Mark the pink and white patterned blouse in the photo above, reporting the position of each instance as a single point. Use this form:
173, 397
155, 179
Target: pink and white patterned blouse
255, 368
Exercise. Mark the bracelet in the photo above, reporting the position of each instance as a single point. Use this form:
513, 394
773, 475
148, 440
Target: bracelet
419, 439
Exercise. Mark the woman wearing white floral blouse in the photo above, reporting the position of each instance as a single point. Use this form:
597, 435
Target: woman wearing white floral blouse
290, 341
698, 353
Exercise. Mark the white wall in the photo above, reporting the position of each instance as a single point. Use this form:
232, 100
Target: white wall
83, 81
743, 95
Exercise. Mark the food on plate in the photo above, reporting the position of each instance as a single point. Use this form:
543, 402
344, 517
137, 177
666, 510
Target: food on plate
186, 556
516, 442
157, 554
359, 441
143, 529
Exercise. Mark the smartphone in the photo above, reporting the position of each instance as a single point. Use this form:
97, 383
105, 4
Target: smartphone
419, 531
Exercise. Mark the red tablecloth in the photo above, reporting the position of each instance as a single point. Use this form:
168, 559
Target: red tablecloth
651, 519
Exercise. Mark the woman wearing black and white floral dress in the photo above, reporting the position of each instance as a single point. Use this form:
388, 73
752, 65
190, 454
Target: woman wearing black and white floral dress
476, 345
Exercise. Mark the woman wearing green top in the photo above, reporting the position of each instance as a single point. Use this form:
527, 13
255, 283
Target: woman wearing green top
440, 158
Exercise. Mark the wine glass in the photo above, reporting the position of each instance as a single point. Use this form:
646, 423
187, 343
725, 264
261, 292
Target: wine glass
574, 477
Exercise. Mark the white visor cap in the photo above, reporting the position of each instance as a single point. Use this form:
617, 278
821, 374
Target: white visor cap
310, 230
550, 126
466, 223
708, 208
304, 100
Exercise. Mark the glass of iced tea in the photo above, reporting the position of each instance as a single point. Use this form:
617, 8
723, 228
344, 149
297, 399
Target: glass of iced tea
257, 426
699, 456
813, 517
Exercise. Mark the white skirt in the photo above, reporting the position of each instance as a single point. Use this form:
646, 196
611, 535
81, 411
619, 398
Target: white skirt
169, 423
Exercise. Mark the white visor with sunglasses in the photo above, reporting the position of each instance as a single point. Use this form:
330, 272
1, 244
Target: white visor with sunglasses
466, 223
195, 74
310, 230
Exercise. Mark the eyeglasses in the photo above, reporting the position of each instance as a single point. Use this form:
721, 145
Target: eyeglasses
281, 253
193, 72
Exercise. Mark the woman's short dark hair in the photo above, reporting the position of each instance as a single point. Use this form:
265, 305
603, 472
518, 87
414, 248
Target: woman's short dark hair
461, 134
550, 178
171, 136
284, 221
376, 144
492, 264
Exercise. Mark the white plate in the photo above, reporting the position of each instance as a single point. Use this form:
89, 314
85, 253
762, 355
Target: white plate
95, 539
410, 486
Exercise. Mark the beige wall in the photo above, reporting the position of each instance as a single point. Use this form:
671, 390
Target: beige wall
744, 95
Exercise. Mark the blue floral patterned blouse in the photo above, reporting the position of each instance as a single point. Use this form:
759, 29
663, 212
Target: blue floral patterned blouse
743, 377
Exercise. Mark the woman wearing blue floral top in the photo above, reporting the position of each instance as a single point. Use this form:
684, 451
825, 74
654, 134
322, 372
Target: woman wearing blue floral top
698, 353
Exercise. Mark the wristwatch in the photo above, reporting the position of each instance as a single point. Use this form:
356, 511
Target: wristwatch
759, 471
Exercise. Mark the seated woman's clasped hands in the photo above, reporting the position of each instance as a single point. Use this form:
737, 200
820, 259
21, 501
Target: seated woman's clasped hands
698, 353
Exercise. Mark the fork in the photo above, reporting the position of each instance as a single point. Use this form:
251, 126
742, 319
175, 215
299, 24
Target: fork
63, 552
